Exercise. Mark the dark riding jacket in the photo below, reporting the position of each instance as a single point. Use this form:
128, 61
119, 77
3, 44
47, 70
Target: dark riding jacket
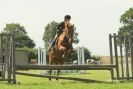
60, 27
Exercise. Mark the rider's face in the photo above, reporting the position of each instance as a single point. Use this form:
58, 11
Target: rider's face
67, 21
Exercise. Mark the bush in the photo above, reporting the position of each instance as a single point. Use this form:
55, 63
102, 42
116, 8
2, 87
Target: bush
96, 58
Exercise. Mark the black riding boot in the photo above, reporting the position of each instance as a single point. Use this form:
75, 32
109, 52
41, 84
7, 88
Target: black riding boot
52, 45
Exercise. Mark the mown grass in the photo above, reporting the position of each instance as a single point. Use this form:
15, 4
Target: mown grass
27, 82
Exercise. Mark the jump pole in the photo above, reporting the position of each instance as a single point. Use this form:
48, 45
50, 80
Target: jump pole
81, 58
41, 58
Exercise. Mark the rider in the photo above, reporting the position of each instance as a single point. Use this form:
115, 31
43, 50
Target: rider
60, 28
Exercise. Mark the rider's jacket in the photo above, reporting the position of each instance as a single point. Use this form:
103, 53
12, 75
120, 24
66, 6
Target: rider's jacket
60, 27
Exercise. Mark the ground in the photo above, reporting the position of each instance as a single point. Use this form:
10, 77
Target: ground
27, 82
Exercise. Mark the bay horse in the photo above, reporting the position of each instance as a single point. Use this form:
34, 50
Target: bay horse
62, 48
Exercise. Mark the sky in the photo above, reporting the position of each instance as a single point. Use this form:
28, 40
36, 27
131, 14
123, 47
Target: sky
94, 19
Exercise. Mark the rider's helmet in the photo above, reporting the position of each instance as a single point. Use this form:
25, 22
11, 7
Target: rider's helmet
67, 17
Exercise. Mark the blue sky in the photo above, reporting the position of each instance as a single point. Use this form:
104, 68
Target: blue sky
94, 19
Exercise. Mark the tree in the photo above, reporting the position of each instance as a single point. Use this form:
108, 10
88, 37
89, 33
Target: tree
126, 21
126, 28
22, 39
49, 34
15, 26
87, 53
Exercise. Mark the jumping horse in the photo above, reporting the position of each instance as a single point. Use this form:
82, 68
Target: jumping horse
63, 47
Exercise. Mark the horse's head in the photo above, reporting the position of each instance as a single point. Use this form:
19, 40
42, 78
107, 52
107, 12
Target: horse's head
73, 34
70, 34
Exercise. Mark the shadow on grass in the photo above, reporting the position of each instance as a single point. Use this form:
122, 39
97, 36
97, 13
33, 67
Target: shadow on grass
72, 81
72, 73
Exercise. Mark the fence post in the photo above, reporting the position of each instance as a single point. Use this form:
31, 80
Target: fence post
131, 52
126, 56
1, 58
111, 56
13, 57
116, 57
121, 55
7, 55
10, 61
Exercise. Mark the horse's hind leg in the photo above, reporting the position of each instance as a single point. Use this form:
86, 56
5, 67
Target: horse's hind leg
50, 63
50, 71
58, 71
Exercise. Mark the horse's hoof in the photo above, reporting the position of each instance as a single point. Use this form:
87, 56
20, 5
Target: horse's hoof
57, 79
49, 79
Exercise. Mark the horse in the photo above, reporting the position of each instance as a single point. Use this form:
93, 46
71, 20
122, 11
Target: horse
63, 47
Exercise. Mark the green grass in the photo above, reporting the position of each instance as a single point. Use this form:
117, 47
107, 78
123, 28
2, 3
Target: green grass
43, 83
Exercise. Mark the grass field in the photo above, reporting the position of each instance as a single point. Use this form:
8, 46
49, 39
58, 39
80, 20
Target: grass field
27, 82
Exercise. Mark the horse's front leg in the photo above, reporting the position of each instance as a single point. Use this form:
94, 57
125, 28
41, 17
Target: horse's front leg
62, 62
58, 71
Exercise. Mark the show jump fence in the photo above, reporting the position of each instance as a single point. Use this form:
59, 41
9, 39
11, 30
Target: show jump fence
121, 54
117, 67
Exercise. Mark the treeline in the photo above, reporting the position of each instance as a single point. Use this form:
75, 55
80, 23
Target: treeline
24, 42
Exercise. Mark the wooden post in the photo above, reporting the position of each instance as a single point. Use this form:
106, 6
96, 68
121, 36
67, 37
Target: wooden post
10, 61
7, 54
4, 57
116, 57
126, 57
1, 64
121, 55
111, 56
1, 57
131, 52
13, 57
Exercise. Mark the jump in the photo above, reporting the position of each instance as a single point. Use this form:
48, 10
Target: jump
62, 44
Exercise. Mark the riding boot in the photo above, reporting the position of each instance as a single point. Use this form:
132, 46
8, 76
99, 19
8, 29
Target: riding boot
52, 45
